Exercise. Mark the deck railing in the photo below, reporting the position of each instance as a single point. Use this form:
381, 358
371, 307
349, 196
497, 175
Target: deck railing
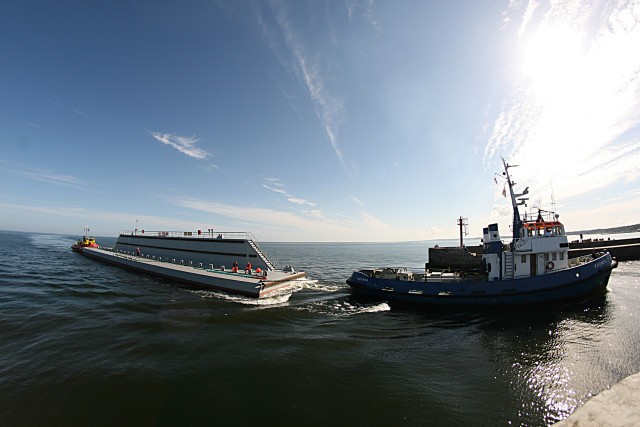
200, 234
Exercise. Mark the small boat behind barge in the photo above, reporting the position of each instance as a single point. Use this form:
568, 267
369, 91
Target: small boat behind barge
534, 268
85, 242
202, 259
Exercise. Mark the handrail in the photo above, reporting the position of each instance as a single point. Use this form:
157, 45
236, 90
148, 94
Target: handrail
270, 261
199, 234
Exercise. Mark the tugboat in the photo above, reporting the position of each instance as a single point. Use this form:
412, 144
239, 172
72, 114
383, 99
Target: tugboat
534, 267
85, 242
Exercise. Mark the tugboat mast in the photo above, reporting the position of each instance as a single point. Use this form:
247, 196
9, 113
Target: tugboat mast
517, 221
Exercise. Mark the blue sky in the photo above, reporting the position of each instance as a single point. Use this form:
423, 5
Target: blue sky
316, 120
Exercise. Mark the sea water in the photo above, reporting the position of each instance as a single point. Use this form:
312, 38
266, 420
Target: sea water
84, 343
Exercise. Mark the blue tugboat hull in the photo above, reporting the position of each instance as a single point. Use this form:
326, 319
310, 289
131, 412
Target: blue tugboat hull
580, 281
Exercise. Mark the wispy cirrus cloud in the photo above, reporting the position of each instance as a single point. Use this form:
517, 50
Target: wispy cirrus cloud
74, 110
263, 216
184, 144
527, 16
329, 108
358, 201
312, 65
298, 226
42, 175
366, 8
276, 186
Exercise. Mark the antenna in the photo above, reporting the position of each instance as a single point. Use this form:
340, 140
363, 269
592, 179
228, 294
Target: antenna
553, 197
462, 223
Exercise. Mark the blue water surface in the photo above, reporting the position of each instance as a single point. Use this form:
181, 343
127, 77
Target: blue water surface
84, 343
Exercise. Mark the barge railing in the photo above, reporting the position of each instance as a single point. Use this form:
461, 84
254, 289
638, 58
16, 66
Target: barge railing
199, 234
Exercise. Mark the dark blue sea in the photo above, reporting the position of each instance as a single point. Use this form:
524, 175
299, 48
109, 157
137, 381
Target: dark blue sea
83, 343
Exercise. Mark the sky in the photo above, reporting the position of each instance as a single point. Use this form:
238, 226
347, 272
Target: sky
303, 121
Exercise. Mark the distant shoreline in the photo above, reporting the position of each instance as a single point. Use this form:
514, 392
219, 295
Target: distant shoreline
634, 228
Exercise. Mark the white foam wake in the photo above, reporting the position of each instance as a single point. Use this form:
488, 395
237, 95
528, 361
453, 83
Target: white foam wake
342, 308
47, 241
315, 285
275, 299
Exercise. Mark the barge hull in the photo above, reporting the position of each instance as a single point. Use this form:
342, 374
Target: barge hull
236, 283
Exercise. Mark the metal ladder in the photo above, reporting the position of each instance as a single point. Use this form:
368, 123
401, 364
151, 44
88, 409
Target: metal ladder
261, 253
508, 265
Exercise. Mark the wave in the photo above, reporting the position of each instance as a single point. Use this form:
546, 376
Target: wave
274, 300
343, 308
317, 286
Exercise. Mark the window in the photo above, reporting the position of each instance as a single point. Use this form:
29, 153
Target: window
553, 256
546, 257
561, 255
523, 259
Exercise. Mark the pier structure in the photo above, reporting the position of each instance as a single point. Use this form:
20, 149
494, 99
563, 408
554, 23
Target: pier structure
617, 406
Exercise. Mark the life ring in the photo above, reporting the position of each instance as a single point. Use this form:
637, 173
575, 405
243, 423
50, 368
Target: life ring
550, 265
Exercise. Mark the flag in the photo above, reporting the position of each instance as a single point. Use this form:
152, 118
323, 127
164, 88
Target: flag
504, 191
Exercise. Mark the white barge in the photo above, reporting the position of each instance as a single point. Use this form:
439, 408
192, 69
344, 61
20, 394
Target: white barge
228, 261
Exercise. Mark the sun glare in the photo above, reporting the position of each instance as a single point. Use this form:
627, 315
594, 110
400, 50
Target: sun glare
552, 60
573, 114
556, 69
